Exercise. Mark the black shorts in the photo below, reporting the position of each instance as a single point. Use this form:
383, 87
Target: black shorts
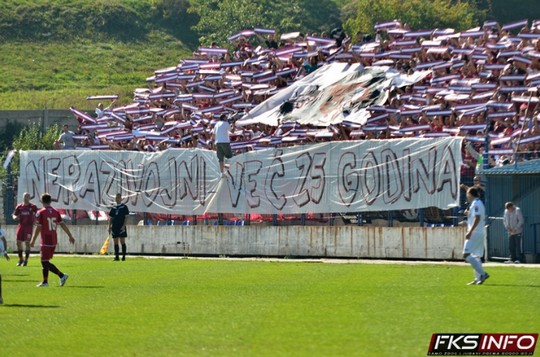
118, 233
223, 150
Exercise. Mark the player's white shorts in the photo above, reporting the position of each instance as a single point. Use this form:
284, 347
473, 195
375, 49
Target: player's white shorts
475, 245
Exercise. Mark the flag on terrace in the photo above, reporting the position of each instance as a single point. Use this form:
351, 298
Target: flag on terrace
330, 95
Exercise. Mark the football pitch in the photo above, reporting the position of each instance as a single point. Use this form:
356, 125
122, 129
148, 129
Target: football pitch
218, 307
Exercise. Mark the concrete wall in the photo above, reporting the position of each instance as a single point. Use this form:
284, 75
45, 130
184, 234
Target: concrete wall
44, 117
289, 241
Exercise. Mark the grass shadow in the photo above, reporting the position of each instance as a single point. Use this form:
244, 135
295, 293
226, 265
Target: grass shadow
33, 306
516, 285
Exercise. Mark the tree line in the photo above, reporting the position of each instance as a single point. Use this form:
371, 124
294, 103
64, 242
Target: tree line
204, 21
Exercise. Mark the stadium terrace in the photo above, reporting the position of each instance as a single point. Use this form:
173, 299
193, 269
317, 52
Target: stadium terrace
477, 83
292, 89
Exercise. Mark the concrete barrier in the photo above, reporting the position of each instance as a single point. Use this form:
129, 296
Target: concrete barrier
45, 117
439, 243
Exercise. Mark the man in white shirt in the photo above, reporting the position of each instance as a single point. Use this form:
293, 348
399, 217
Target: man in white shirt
513, 222
473, 249
99, 110
220, 134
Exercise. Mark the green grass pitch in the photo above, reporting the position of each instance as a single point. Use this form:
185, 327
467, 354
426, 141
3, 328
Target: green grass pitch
197, 307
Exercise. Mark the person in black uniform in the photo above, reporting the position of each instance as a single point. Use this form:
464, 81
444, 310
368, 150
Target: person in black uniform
117, 226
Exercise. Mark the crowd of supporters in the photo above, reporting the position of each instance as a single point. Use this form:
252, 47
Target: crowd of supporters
482, 82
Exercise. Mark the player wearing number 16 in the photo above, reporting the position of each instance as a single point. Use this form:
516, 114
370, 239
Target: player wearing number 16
47, 220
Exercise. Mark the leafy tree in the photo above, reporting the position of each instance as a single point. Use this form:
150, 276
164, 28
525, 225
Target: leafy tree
32, 138
11, 129
175, 19
418, 14
29, 138
513, 10
304, 15
219, 19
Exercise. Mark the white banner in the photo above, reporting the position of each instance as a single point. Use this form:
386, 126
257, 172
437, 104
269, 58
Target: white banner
352, 176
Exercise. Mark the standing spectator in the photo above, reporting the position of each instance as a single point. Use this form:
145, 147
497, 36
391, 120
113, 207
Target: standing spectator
159, 121
66, 138
338, 34
47, 219
25, 214
117, 226
478, 156
513, 222
476, 184
270, 42
99, 110
473, 249
221, 137
311, 65
4, 253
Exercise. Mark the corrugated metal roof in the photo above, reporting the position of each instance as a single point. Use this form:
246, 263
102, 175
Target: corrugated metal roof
525, 167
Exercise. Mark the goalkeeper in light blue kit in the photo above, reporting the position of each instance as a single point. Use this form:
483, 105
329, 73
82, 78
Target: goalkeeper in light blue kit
3, 246
473, 249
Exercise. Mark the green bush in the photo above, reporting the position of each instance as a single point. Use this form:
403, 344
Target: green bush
362, 15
